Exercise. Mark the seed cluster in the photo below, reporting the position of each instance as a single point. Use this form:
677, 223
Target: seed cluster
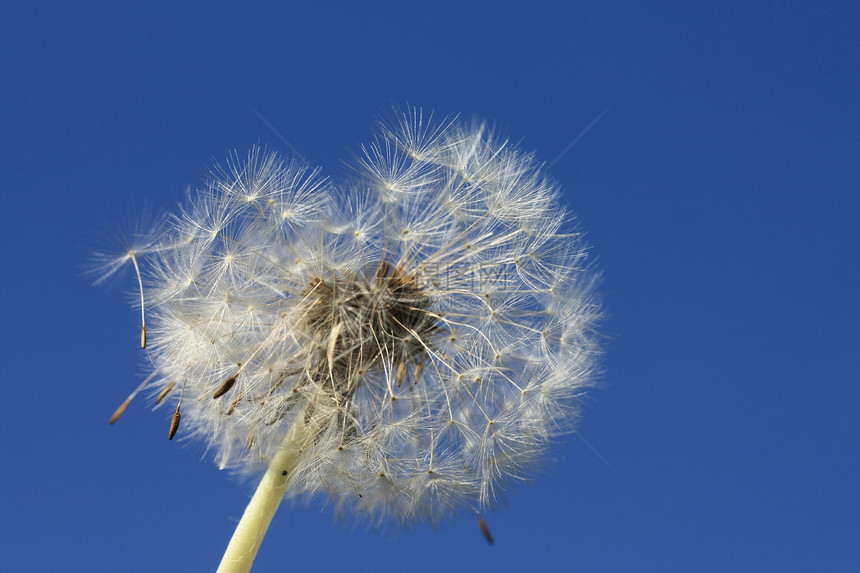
368, 321
431, 321
359, 323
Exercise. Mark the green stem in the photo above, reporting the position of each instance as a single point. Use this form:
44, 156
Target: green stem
246, 540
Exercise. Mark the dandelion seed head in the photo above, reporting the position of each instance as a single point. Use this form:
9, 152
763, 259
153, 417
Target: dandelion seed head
434, 319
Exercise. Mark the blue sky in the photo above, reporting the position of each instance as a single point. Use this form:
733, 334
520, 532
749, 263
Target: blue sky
720, 192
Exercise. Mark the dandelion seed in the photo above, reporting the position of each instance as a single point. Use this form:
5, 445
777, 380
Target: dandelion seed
122, 407
174, 423
444, 264
225, 387
119, 411
163, 394
485, 530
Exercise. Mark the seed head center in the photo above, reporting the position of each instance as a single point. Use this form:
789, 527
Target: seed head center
362, 321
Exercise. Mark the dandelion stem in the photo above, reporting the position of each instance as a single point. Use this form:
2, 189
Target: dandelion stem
246, 540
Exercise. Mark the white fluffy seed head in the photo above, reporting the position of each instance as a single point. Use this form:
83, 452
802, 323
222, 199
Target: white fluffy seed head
433, 318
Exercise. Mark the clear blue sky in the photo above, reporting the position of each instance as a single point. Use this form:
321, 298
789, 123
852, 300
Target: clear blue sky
721, 193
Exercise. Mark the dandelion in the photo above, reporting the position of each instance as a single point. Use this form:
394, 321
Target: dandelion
408, 344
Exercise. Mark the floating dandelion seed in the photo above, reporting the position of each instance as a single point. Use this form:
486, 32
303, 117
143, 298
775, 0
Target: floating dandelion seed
408, 345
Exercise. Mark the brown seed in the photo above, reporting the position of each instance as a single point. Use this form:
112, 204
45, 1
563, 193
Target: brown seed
397, 279
174, 424
485, 530
119, 412
164, 393
401, 372
143, 336
225, 387
419, 368
382, 270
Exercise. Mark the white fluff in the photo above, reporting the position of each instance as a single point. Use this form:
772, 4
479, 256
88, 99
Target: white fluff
435, 317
